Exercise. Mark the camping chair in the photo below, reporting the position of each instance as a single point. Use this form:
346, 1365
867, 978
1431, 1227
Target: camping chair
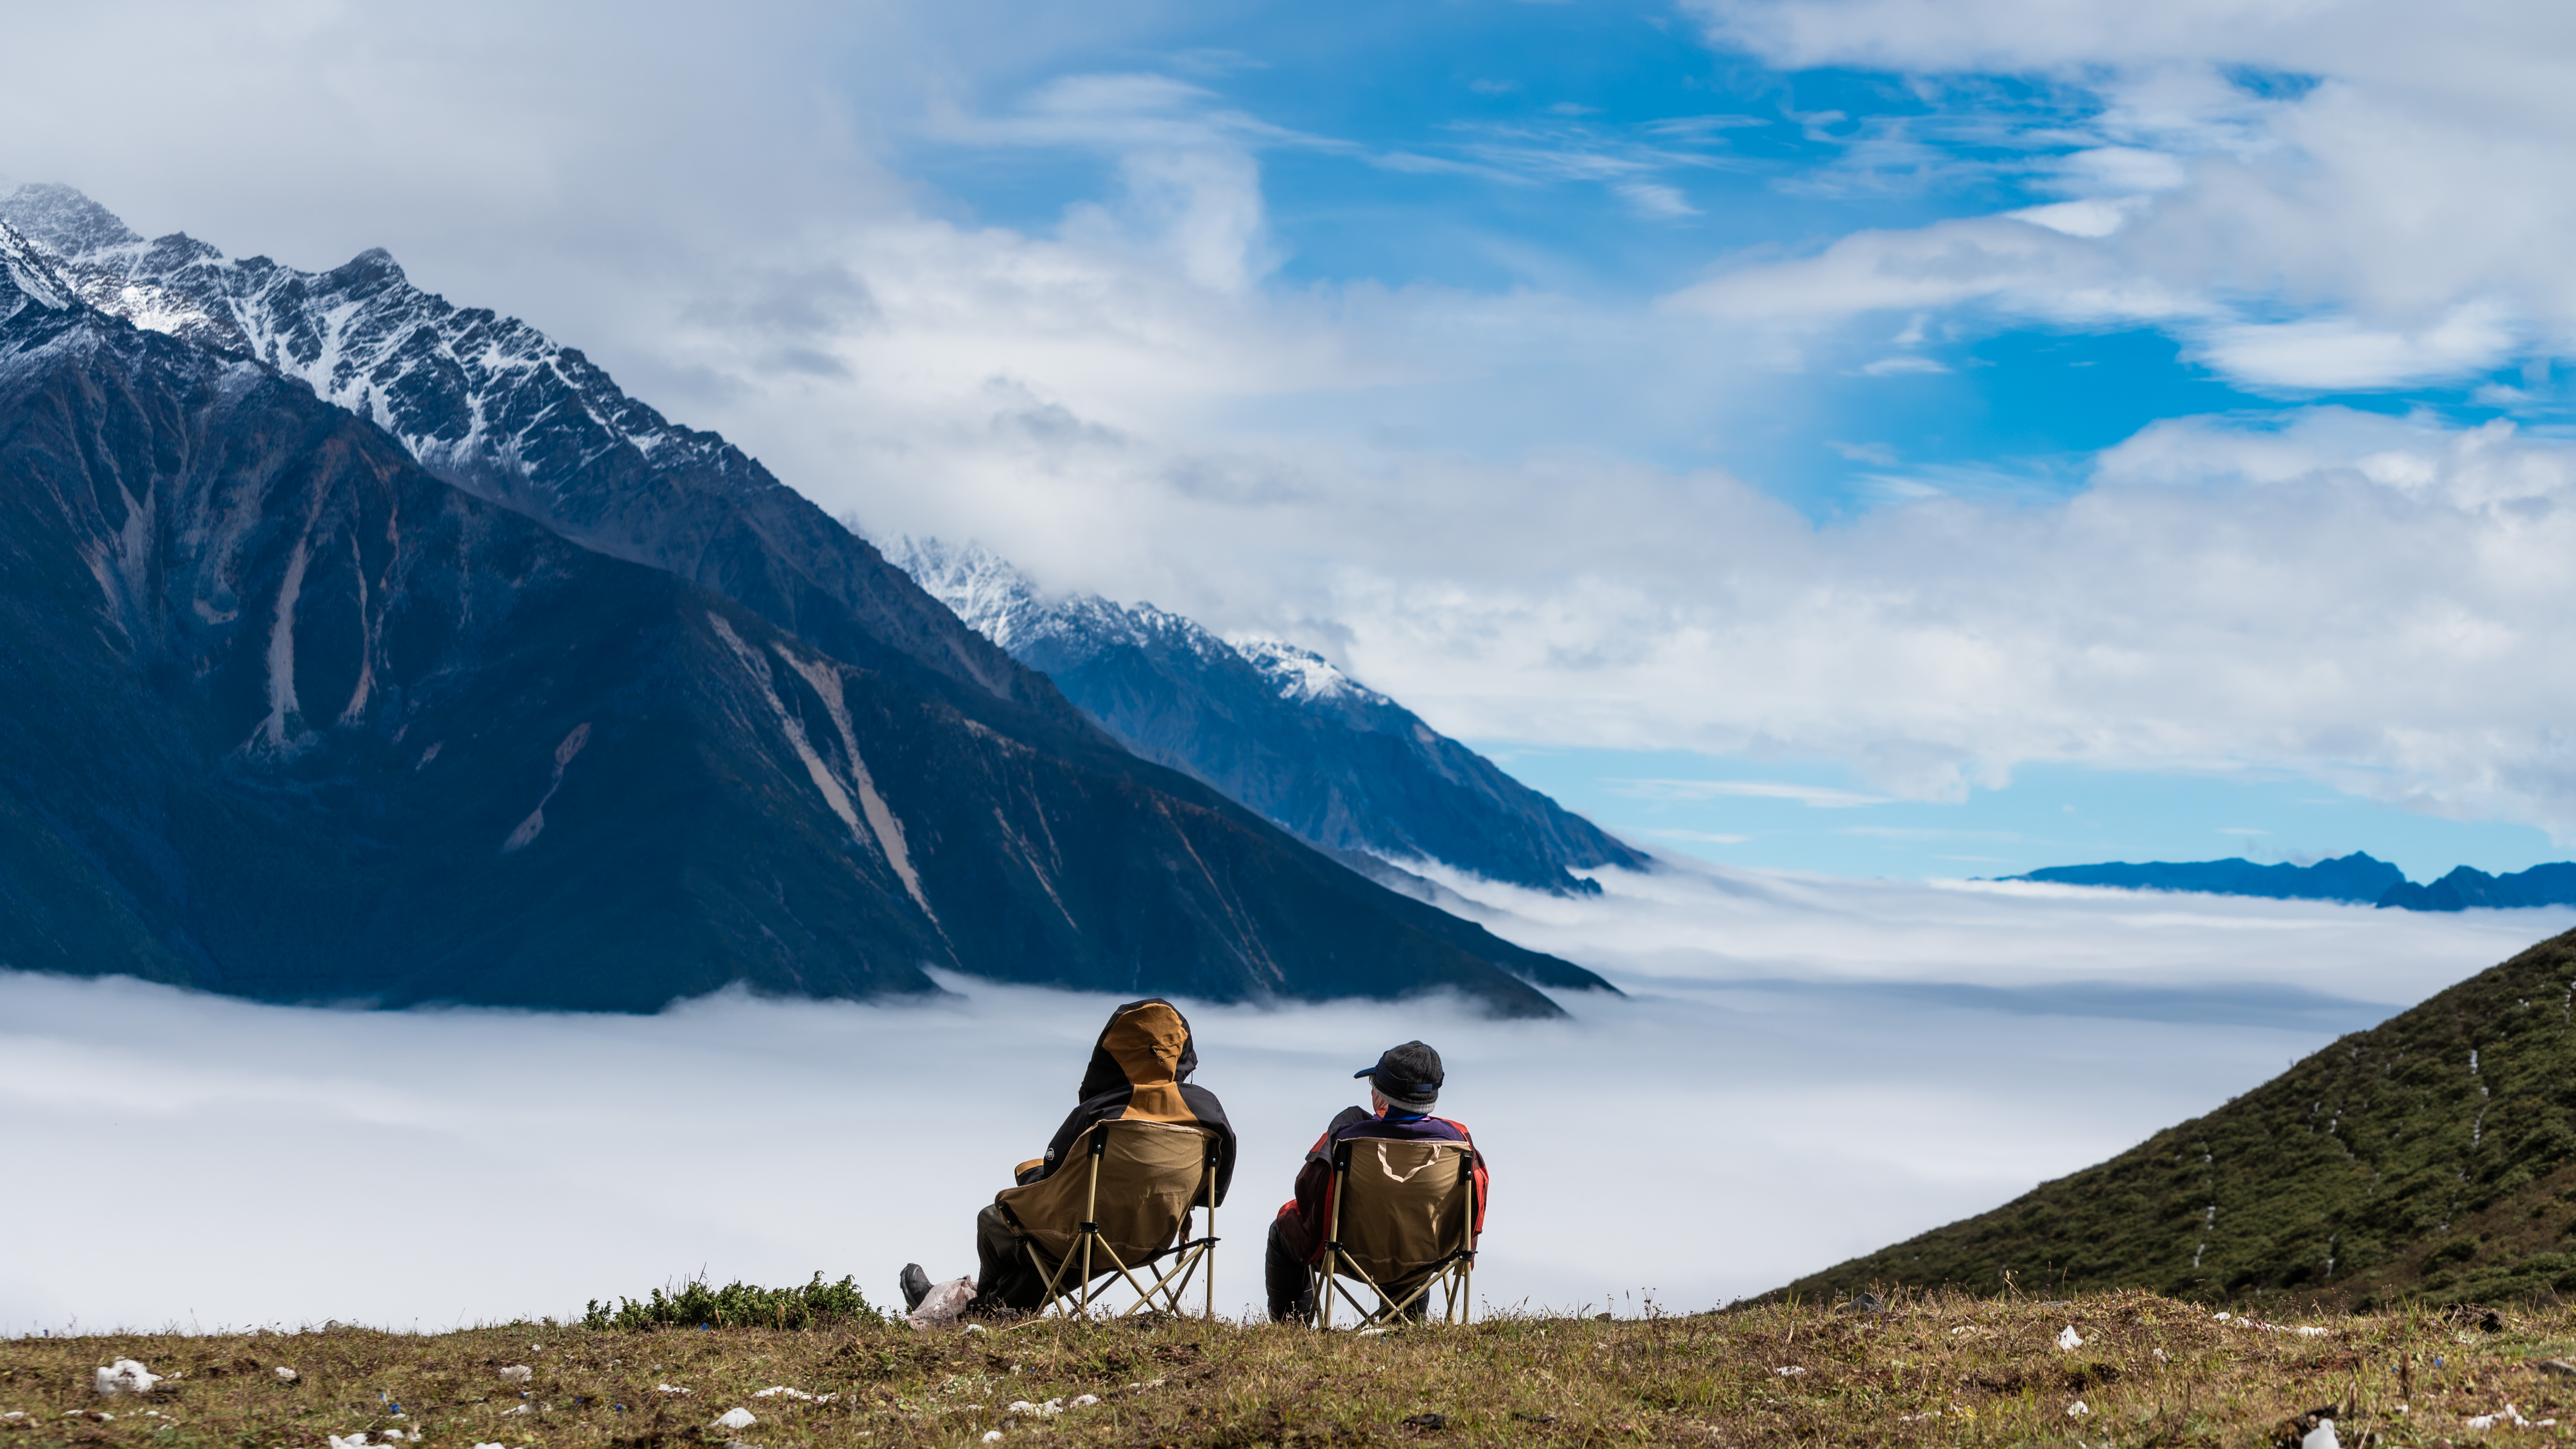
1403, 1222
1120, 1205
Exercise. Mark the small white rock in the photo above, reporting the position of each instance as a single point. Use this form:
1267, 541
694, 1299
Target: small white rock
992, 1436
667, 1389
2321, 1437
2078, 1409
735, 1418
1019, 1406
517, 1373
1085, 1402
2068, 1339
287, 1375
126, 1376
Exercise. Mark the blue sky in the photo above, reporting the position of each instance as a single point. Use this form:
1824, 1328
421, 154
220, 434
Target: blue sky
1615, 154
2019, 411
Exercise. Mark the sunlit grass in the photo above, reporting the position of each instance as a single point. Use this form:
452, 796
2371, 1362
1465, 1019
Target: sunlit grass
1923, 1370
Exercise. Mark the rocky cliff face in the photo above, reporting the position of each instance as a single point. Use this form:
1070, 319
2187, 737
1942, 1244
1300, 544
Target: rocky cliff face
1276, 727
294, 718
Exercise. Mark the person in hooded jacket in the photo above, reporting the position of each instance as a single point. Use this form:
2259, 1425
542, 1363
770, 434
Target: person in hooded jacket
1140, 1070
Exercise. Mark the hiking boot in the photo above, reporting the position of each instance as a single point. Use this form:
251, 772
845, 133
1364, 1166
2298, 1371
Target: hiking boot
916, 1286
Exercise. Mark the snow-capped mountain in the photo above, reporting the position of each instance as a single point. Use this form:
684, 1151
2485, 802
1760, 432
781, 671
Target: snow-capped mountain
320, 721
1275, 726
504, 412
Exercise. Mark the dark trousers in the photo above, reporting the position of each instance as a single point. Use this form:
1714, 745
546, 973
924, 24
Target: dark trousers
1003, 1273
1284, 1271
1290, 1278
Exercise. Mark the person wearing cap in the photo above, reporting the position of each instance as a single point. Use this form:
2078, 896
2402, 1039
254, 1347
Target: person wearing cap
1403, 1088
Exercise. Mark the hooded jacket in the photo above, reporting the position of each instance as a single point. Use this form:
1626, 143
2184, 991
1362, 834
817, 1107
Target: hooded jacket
1140, 1070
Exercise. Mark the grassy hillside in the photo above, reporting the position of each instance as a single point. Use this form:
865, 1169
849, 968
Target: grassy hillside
1940, 1370
2432, 1155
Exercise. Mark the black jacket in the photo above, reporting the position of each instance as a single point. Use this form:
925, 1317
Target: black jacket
1140, 1068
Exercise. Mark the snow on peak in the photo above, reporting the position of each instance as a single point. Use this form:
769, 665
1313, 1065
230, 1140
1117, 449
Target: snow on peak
977, 584
470, 393
1301, 674
30, 275
63, 221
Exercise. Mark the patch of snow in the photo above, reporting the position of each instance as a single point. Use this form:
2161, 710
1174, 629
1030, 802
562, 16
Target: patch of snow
1301, 674
2069, 1340
735, 1418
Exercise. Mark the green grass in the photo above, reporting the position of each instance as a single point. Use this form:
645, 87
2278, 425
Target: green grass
738, 1305
1944, 1369
2381, 1166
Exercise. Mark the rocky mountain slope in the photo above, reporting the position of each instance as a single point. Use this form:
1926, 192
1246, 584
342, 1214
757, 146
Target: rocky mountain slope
293, 718
504, 412
2434, 1154
1274, 726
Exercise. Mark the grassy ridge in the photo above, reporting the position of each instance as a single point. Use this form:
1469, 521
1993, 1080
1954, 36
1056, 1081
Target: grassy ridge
2433, 1155
1939, 1370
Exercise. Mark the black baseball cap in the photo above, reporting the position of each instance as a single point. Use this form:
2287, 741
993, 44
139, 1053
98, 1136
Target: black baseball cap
1407, 1075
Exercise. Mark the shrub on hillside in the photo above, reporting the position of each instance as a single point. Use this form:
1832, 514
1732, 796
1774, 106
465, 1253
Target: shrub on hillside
694, 1304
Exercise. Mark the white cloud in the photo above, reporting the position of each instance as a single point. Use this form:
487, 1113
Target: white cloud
1655, 200
2025, 266
2398, 178
2338, 352
1815, 797
1845, 1063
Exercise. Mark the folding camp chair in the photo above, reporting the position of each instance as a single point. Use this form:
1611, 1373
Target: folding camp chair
1403, 1221
1121, 1206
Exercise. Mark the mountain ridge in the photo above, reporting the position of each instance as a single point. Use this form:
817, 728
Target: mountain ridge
2356, 878
1039, 851
1275, 726
2433, 1155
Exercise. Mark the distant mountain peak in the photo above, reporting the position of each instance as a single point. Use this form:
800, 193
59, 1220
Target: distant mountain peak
63, 220
1301, 673
1274, 725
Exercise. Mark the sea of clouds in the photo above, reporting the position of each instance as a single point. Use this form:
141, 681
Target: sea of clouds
1800, 1069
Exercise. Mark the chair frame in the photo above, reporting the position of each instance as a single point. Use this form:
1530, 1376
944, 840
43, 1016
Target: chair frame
1163, 1293
1453, 1275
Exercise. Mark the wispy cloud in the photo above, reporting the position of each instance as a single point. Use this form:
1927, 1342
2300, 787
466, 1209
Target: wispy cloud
1813, 796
